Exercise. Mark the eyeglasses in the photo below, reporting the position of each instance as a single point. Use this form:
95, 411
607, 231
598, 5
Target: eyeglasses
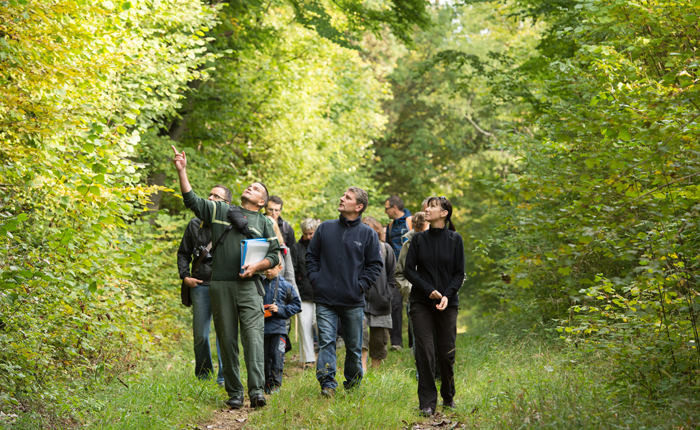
216, 196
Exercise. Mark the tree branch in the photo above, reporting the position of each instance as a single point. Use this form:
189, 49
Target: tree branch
484, 132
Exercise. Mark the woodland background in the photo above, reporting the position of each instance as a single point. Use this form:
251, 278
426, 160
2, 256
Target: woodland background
565, 132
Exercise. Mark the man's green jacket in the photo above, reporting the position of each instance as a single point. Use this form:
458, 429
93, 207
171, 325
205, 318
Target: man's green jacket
227, 258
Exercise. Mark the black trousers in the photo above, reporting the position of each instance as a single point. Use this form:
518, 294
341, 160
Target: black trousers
432, 328
275, 347
396, 318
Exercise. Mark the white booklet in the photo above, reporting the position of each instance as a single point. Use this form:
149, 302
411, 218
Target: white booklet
253, 251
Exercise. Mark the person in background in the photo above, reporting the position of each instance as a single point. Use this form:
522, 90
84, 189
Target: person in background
274, 210
342, 262
377, 319
308, 310
435, 269
419, 224
281, 302
286, 259
196, 240
401, 223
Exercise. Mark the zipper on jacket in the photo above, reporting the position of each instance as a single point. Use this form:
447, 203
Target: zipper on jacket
437, 278
340, 249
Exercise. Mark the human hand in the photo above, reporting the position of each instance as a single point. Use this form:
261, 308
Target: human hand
435, 295
273, 308
180, 159
192, 282
442, 305
248, 270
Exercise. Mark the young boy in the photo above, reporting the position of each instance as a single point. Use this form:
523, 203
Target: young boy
281, 302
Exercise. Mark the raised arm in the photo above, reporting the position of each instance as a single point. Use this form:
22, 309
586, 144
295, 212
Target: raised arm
202, 208
180, 162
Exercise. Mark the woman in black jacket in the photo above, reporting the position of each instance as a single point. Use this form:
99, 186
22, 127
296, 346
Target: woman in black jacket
435, 268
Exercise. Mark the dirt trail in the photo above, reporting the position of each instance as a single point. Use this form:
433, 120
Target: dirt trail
228, 419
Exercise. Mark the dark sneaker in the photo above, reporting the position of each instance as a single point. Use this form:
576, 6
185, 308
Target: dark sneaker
427, 412
257, 401
235, 402
328, 392
449, 405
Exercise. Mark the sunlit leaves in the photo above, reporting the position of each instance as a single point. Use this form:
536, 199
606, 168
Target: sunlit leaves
78, 83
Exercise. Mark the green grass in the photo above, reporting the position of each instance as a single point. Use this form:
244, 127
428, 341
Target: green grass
504, 380
160, 393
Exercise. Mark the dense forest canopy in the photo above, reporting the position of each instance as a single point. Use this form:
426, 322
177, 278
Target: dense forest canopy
564, 132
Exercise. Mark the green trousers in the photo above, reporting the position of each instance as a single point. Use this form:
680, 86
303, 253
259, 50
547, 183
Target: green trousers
231, 302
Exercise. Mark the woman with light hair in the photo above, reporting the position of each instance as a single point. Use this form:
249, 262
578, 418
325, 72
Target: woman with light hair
285, 258
307, 316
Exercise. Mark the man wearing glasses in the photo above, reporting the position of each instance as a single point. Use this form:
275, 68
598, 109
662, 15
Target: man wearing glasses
274, 209
196, 242
400, 224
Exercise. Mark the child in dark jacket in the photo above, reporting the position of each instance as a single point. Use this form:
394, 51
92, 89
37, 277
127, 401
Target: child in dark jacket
281, 302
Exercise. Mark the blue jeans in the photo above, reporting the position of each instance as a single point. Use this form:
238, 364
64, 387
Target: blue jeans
327, 318
201, 322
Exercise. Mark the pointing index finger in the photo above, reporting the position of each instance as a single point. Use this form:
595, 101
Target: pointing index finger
173, 146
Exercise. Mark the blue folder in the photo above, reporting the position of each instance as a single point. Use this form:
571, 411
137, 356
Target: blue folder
253, 246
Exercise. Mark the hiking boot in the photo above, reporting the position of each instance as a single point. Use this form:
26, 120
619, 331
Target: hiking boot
328, 392
448, 404
235, 402
427, 412
257, 401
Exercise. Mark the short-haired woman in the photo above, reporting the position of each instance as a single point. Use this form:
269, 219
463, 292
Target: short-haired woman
308, 311
435, 268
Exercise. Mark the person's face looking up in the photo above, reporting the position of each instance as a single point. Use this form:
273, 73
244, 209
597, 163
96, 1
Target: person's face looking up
434, 211
254, 194
348, 204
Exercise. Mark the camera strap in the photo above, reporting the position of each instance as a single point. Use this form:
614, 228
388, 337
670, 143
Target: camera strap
202, 255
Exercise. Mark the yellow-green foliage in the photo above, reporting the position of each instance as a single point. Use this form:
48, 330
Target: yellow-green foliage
79, 81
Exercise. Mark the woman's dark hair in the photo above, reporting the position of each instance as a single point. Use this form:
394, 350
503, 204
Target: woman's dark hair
445, 205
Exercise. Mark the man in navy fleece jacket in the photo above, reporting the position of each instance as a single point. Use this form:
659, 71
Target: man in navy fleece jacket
343, 261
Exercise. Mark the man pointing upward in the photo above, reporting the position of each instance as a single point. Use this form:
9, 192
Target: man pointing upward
234, 296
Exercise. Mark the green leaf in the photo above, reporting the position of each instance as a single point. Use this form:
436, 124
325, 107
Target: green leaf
624, 134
